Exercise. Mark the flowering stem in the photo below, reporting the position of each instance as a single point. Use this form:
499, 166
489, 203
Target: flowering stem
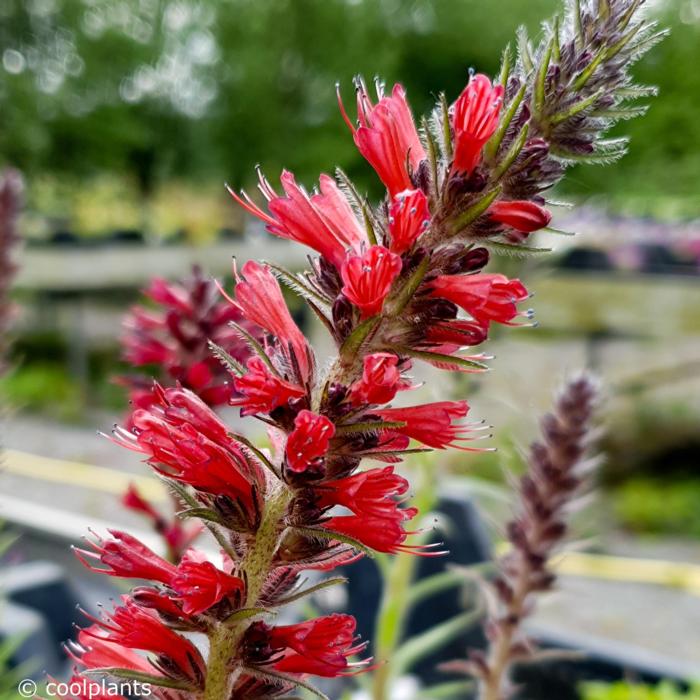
555, 477
492, 687
255, 567
397, 585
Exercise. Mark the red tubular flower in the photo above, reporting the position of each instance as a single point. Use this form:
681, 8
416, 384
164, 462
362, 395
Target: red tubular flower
175, 336
93, 651
259, 297
308, 441
486, 297
126, 557
185, 454
134, 627
372, 493
387, 137
522, 215
199, 584
432, 423
380, 534
261, 391
381, 380
323, 221
373, 497
367, 278
409, 216
320, 647
475, 117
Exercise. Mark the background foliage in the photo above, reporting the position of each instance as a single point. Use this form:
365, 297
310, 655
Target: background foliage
200, 90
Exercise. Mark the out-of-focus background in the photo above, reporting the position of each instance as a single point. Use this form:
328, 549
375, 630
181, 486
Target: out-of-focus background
127, 116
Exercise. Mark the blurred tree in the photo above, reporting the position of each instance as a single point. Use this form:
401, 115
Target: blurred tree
90, 86
162, 87
204, 89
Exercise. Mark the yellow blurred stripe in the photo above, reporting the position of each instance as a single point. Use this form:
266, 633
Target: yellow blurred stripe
673, 574
632, 570
79, 474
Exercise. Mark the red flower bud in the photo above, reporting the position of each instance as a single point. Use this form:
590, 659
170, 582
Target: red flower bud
458, 333
522, 215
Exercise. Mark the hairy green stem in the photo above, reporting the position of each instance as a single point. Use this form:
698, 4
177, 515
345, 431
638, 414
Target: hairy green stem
255, 566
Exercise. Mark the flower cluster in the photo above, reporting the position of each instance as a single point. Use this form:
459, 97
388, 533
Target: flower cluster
171, 337
396, 284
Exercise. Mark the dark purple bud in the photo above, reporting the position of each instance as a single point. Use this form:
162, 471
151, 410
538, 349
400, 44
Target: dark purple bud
343, 317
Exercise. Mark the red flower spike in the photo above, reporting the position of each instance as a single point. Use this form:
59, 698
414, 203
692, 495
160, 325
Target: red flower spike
308, 441
320, 647
134, 627
475, 117
522, 215
126, 557
387, 137
175, 337
409, 217
381, 380
259, 297
367, 278
323, 221
433, 424
260, 391
199, 584
486, 297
